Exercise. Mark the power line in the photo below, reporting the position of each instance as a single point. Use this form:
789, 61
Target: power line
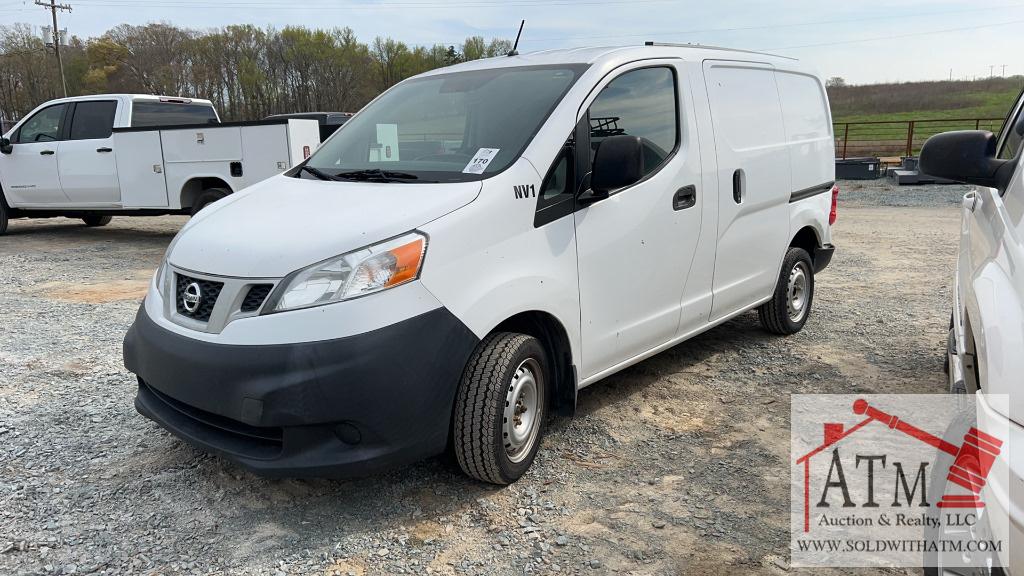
53, 7
892, 37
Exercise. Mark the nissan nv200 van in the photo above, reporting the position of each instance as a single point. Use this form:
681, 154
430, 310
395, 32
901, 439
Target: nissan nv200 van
479, 243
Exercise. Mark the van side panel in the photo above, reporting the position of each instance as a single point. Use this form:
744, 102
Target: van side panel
811, 149
753, 181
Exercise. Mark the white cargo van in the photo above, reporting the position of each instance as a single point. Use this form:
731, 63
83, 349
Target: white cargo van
94, 157
479, 243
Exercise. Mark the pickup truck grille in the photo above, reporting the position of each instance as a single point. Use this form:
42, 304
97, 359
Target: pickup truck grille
208, 291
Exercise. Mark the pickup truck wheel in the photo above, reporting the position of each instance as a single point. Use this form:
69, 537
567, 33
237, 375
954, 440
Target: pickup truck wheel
787, 311
4, 215
208, 197
500, 408
94, 221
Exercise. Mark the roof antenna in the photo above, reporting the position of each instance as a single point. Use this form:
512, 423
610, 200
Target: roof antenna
515, 52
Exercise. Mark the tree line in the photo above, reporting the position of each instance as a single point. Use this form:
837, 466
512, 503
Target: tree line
248, 72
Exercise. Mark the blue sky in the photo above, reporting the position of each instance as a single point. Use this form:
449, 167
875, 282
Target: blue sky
867, 41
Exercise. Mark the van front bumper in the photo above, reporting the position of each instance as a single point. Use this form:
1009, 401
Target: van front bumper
335, 408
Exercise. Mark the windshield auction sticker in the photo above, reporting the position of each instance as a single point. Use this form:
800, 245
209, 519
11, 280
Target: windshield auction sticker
899, 480
480, 161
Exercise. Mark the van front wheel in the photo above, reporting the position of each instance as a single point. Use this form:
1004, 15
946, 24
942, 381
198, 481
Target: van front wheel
787, 311
500, 408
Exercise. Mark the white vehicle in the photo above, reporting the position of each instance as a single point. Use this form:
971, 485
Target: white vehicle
986, 337
479, 243
94, 157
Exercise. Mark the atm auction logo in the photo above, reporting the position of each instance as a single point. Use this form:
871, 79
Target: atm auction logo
896, 480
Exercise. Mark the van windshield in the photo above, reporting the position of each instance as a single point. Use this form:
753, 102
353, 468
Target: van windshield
453, 127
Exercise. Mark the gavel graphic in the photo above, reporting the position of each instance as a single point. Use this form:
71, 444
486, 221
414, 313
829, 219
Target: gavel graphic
972, 461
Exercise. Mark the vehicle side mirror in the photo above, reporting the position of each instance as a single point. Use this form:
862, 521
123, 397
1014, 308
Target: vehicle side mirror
5, 146
967, 156
618, 162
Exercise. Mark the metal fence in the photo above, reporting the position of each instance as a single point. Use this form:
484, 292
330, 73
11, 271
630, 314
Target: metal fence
899, 137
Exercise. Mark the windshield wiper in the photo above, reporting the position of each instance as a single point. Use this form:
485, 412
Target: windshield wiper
319, 174
376, 175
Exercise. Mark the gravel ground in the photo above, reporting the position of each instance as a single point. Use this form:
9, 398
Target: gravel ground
676, 465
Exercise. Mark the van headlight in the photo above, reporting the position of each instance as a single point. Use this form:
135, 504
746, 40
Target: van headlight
365, 271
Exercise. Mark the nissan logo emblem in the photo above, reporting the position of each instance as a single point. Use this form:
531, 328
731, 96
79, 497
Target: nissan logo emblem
192, 297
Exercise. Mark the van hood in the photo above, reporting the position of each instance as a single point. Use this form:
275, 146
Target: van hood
282, 224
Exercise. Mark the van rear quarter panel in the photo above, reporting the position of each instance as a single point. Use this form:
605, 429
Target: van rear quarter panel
808, 121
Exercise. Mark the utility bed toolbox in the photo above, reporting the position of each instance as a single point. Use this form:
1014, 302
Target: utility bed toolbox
868, 168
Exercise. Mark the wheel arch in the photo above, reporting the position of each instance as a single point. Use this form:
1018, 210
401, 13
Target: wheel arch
994, 327
808, 239
545, 327
196, 185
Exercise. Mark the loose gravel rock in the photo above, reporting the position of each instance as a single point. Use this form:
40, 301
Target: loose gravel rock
676, 465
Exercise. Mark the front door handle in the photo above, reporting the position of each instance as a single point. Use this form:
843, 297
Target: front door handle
104, 149
685, 197
46, 152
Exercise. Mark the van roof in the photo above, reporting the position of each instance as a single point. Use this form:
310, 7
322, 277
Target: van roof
615, 54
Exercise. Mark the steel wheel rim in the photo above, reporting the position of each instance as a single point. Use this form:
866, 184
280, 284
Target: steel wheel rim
797, 292
521, 418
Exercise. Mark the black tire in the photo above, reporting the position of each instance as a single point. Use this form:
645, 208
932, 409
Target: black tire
479, 421
207, 197
775, 314
4, 214
95, 221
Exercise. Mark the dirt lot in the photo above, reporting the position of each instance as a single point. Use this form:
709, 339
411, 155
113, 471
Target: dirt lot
677, 465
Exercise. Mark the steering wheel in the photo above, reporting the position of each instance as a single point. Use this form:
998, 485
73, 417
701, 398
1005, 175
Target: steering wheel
453, 156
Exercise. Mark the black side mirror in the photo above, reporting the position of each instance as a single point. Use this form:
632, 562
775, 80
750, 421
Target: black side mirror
5, 146
967, 156
618, 162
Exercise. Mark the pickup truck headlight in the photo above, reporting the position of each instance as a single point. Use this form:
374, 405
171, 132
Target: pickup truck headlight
365, 271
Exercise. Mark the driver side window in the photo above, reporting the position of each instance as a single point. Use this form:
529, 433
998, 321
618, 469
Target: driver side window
1012, 140
45, 126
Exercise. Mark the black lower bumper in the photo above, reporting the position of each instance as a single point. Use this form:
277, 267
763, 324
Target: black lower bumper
822, 257
334, 408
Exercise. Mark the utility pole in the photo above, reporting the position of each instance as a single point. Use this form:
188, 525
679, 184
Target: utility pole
1004, 71
52, 6
991, 67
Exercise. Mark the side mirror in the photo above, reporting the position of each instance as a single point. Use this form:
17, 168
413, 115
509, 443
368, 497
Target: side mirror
5, 146
618, 162
967, 156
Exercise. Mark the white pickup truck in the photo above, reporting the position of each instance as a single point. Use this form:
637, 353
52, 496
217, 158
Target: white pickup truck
986, 337
94, 157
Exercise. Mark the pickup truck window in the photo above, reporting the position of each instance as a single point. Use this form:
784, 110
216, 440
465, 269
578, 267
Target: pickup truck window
1012, 140
429, 129
171, 114
93, 120
44, 126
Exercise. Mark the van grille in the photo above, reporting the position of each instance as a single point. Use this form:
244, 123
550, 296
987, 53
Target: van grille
255, 297
208, 293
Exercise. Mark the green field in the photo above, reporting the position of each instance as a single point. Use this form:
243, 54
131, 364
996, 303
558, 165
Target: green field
988, 98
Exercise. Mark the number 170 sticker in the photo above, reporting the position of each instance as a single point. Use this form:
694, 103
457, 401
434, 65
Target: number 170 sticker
480, 161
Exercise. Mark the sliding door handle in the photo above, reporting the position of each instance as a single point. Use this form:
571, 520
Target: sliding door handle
739, 180
104, 150
46, 152
685, 197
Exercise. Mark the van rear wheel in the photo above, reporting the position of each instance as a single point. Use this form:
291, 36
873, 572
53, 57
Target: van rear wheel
95, 221
208, 197
787, 311
500, 408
